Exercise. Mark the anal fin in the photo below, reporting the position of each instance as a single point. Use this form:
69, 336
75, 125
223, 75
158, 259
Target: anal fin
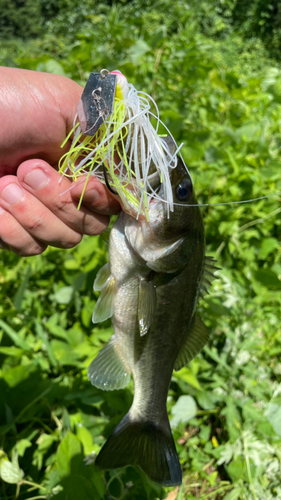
195, 340
146, 306
108, 371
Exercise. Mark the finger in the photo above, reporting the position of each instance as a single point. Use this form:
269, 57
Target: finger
96, 196
14, 237
34, 217
47, 185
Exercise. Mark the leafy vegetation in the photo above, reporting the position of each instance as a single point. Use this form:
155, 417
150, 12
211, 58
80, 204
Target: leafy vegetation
221, 95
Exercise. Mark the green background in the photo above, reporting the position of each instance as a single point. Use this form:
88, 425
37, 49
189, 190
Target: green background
213, 69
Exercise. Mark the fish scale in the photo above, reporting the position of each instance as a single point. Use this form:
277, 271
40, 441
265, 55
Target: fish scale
158, 269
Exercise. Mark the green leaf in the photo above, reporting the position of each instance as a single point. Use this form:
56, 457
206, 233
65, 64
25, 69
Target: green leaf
22, 445
43, 335
55, 329
14, 336
45, 441
205, 400
12, 351
267, 246
20, 293
53, 66
78, 487
232, 419
173, 120
71, 264
236, 469
274, 417
268, 278
10, 473
183, 411
187, 376
86, 439
69, 448
64, 295
64, 353
233, 494
18, 374
137, 51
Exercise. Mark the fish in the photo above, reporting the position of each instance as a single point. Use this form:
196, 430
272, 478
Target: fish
150, 289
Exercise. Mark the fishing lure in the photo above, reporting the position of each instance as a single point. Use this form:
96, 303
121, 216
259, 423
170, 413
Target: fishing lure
113, 139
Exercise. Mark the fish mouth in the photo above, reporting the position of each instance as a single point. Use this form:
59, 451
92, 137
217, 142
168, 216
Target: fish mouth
153, 182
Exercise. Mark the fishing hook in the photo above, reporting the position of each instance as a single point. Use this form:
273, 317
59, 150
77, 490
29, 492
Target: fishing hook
106, 181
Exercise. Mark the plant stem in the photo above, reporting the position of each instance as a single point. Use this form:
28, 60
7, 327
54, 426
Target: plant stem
40, 396
215, 492
35, 498
35, 485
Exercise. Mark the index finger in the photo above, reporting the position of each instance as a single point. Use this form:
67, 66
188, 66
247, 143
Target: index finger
96, 196
46, 184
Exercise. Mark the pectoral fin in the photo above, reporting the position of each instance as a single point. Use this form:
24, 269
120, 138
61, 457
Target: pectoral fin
102, 276
146, 306
195, 340
105, 235
104, 307
108, 371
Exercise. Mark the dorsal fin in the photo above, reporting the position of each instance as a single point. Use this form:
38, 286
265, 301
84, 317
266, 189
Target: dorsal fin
208, 274
195, 340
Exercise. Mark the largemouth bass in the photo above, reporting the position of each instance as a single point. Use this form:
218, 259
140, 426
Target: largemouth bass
151, 288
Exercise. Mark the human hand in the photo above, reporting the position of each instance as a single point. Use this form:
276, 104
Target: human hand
36, 114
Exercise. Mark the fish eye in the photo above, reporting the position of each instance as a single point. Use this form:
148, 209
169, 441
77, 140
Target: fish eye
184, 190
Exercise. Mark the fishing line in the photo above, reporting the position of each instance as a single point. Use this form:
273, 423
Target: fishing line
229, 202
157, 197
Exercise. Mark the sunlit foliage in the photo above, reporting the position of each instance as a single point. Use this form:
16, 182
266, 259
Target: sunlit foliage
220, 94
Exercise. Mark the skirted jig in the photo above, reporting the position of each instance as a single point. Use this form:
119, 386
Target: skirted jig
114, 140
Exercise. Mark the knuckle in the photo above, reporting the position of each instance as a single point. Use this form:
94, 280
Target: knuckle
29, 250
96, 225
33, 225
62, 205
72, 241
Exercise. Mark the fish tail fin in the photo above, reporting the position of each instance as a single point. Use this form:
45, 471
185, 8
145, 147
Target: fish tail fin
149, 445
